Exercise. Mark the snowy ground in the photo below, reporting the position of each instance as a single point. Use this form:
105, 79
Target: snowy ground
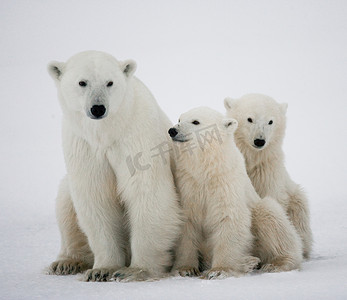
189, 53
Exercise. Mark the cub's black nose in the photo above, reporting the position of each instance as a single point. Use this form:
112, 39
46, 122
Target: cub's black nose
259, 143
173, 132
98, 111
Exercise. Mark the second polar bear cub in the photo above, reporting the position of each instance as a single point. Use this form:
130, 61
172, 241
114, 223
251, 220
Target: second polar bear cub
211, 183
227, 224
259, 137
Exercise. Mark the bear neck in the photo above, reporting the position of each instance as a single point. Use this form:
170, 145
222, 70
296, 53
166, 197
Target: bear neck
272, 155
215, 157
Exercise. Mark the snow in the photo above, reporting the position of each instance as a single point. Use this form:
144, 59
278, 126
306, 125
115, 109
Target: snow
189, 53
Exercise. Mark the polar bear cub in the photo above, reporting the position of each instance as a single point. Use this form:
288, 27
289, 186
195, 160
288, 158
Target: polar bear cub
115, 220
226, 221
260, 134
211, 182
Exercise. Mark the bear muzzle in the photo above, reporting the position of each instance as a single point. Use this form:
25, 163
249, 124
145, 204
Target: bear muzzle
97, 112
259, 143
173, 132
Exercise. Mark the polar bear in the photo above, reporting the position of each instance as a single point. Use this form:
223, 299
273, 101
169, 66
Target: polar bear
260, 134
212, 194
223, 212
116, 221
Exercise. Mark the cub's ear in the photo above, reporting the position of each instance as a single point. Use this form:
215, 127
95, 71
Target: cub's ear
283, 107
228, 103
56, 69
230, 125
128, 67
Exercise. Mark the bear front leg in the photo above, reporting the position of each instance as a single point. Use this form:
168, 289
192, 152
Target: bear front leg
187, 258
104, 228
298, 212
231, 240
155, 224
75, 255
93, 187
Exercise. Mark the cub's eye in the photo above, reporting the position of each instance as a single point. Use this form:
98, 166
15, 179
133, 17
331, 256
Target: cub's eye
250, 120
179, 120
110, 83
270, 122
196, 122
82, 83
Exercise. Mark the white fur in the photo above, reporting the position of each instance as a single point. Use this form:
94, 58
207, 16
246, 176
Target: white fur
212, 183
265, 166
102, 206
226, 221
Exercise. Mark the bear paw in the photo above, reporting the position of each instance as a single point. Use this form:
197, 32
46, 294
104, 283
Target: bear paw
274, 268
67, 267
270, 268
101, 274
131, 274
281, 264
216, 273
188, 272
251, 263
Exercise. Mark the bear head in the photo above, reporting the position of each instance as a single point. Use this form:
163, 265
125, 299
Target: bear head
203, 126
92, 83
261, 120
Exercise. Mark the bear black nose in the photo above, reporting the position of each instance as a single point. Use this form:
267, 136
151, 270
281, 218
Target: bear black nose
173, 132
98, 111
259, 143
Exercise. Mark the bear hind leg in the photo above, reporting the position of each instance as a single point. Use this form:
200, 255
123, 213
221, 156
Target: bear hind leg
277, 243
75, 255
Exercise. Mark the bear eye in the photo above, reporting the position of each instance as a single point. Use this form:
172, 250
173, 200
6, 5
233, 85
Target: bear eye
250, 120
270, 122
196, 122
179, 120
110, 83
82, 83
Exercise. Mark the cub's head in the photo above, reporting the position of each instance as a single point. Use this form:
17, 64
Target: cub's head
261, 120
92, 83
203, 126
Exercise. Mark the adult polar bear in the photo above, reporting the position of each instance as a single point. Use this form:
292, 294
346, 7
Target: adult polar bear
259, 137
109, 116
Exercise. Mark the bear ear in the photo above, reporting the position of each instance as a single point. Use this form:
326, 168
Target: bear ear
283, 107
128, 67
230, 125
55, 69
228, 103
